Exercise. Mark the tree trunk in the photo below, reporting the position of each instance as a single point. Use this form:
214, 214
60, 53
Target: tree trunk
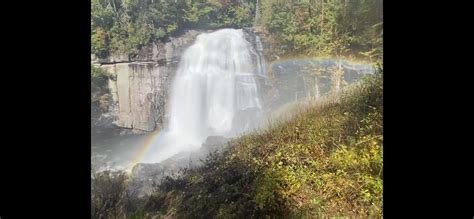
310, 15
316, 87
306, 91
322, 15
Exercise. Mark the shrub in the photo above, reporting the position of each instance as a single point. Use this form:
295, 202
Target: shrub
99, 43
108, 190
99, 79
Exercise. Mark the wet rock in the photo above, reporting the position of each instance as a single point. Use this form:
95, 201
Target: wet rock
144, 175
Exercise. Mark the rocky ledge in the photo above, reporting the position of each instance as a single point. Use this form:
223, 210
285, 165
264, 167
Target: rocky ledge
144, 175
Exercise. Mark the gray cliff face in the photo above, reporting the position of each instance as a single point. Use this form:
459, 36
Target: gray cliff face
138, 94
139, 84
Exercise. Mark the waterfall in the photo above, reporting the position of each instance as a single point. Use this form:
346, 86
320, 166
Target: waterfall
214, 91
260, 58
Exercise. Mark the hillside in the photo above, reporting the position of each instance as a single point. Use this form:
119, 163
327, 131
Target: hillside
324, 161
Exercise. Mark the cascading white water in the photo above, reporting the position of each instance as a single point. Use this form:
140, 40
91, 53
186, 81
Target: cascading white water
214, 83
214, 80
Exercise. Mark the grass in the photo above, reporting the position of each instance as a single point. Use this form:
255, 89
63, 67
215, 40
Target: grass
324, 160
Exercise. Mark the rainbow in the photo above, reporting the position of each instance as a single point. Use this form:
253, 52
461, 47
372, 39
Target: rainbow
155, 137
321, 59
151, 140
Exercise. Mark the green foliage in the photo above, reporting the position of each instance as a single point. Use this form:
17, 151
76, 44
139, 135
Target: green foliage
130, 24
99, 79
325, 27
327, 160
100, 98
99, 42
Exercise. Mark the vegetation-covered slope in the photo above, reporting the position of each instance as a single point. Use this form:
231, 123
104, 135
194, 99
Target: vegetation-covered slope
325, 161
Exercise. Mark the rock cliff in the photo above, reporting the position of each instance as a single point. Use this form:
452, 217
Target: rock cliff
139, 83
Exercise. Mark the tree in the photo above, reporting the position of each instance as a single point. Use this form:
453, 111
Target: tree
100, 42
336, 28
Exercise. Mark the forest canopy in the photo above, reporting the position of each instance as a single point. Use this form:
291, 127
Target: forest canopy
295, 27
325, 27
123, 26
